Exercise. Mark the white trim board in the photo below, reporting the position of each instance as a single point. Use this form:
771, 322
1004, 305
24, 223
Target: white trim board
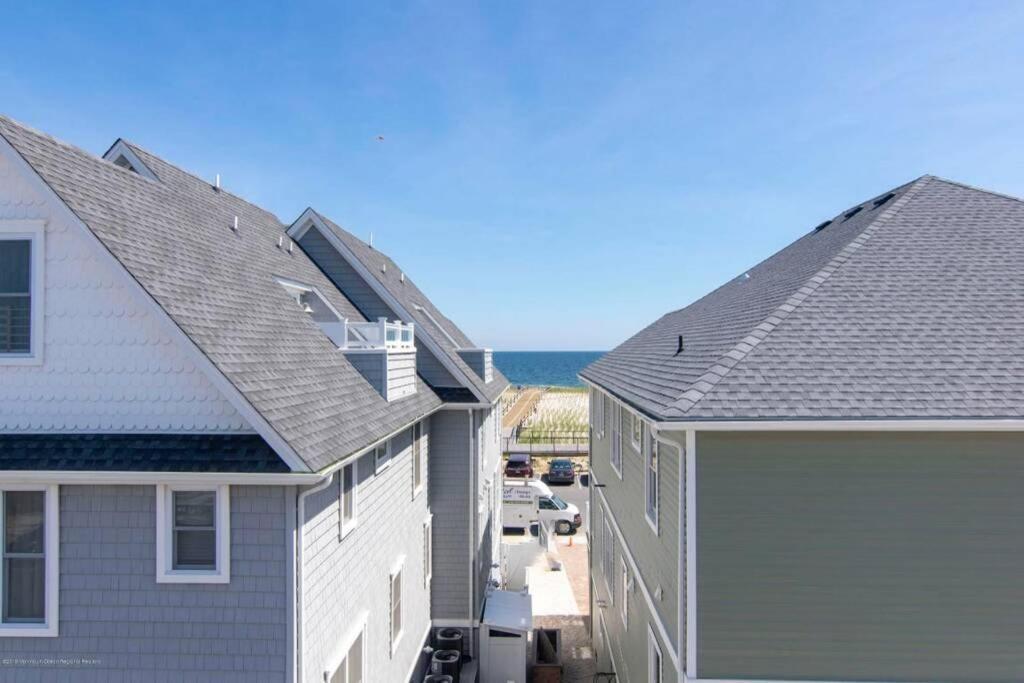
949, 425
178, 478
638, 576
165, 571
310, 218
195, 354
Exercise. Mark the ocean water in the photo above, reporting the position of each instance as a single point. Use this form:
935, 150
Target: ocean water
544, 368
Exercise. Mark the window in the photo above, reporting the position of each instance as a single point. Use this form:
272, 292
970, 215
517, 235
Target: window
651, 483
653, 657
428, 551
28, 591
417, 459
608, 560
348, 486
606, 409
637, 438
382, 456
395, 583
193, 534
351, 669
312, 303
627, 584
616, 453
21, 292
597, 412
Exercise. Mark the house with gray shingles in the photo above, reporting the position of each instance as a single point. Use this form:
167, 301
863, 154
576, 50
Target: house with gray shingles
230, 448
814, 472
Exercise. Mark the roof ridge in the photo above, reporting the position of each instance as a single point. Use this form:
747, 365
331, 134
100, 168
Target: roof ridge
787, 246
968, 186
739, 351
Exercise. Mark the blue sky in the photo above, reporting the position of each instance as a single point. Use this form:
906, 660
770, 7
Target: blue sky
554, 175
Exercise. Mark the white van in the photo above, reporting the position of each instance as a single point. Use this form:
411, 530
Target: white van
526, 502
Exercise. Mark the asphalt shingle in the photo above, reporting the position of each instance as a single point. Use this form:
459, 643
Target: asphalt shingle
909, 309
174, 236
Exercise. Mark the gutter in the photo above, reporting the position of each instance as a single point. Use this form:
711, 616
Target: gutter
117, 478
300, 623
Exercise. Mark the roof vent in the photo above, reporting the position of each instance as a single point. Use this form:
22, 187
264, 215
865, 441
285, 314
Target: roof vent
384, 267
679, 348
822, 226
852, 212
401, 278
235, 225
883, 200
216, 183
370, 243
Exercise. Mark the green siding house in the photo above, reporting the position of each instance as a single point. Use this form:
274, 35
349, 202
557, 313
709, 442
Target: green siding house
814, 473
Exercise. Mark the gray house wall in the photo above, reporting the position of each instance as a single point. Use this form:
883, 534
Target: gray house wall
118, 624
451, 481
860, 556
347, 578
401, 374
655, 554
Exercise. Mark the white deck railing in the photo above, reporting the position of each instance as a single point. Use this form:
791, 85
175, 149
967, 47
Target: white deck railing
396, 336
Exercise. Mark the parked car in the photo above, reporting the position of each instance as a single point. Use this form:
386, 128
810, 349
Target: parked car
528, 501
561, 472
519, 465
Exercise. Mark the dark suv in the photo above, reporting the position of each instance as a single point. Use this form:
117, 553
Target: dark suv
561, 472
518, 465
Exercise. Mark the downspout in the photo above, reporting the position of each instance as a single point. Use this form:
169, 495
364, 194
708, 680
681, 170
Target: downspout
474, 513
300, 623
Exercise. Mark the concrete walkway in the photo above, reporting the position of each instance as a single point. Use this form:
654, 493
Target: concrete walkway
562, 601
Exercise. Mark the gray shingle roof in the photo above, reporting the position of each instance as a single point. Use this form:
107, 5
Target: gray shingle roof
412, 299
219, 287
911, 309
139, 453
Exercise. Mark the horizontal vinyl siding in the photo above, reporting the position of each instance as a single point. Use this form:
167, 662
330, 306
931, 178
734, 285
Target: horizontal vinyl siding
450, 501
859, 556
349, 576
657, 555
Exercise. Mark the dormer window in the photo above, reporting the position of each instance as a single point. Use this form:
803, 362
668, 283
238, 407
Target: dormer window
122, 155
313, 304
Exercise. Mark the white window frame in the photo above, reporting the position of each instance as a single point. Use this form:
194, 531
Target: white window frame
381, 462
396, 571
345, 528
51, 561
35, 232
165, 572
417, 459
652, 455
654, 649
606, 408
597, 412
428, 551
615, 453
626, 581
608, 561
637, 439
341, 658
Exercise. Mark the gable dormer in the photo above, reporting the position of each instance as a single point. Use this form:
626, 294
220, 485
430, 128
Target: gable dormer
121, 154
